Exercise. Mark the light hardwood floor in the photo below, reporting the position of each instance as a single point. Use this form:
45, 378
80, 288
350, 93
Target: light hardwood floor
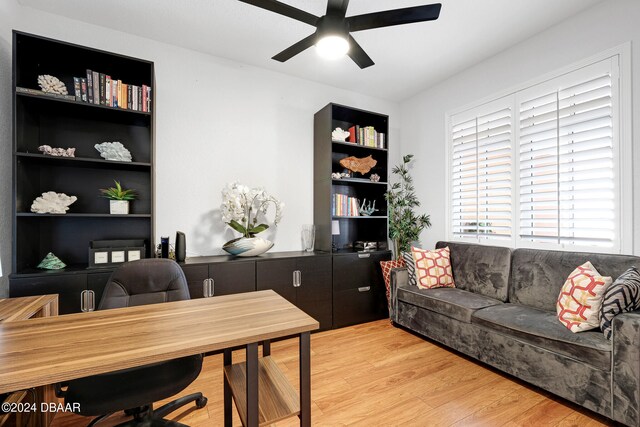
378, 375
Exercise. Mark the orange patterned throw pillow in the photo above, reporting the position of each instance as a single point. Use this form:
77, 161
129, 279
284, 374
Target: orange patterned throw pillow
386, 273
580, 299
433, 268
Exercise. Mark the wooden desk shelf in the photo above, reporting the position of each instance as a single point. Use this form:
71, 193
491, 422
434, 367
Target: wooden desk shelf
277, 399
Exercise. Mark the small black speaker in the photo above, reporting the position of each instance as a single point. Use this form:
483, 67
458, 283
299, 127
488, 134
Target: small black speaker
181, 246
164, 247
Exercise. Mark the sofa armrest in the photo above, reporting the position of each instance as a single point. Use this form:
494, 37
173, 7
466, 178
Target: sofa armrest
625, 369
399, 277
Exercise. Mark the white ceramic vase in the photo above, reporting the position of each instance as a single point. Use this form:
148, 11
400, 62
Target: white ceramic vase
247, 246
118, 207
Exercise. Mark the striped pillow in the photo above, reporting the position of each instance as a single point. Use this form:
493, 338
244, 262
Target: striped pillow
411, 267
622, 296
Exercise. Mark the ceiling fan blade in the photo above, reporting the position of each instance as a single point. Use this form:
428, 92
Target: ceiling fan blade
387, 18
284, 9
337, 7
357, 53
295, 49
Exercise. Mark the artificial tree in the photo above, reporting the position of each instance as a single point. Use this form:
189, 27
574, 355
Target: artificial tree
405, 225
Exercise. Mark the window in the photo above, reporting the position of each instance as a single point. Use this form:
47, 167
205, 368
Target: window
539, 167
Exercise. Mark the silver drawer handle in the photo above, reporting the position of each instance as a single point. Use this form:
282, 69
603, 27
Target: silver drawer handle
87, 301
208, 289
364, 289
364, 255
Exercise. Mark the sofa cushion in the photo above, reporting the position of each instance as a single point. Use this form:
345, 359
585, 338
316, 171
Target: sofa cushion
621, 297
538, 275
541, 328
451, 302
481, 269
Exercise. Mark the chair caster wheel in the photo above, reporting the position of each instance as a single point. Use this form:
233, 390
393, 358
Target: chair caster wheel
201, 402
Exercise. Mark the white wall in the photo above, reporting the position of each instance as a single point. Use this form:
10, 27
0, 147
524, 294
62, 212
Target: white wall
597, 29
216, 121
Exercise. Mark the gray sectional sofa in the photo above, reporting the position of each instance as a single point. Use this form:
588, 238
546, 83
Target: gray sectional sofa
502, 312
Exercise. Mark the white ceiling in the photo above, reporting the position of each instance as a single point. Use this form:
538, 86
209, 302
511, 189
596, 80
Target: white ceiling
409, 58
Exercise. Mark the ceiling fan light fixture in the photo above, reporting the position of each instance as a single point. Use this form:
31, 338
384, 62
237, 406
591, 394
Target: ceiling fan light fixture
332, 46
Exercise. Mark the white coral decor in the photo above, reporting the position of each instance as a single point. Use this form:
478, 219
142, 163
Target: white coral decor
244, 209
51, 84
52, 202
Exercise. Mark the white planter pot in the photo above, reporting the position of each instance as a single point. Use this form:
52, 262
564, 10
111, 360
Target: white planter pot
119, 207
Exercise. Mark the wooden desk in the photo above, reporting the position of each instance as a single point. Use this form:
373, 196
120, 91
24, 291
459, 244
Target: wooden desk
49, 350
11, 310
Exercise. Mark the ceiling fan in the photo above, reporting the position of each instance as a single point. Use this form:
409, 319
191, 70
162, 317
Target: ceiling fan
332, 37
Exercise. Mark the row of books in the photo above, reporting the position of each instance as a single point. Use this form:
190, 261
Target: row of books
343, 205
367, 136
100, 89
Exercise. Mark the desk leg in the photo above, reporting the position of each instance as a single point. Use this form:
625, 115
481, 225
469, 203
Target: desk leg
252, 385
305, 379
266, 348
228, 410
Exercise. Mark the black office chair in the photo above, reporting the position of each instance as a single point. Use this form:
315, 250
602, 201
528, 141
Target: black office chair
147, 281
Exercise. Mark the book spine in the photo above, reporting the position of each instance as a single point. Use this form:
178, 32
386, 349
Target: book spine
77, 89
144, 98
83, 89
149, 99
129, 97
139, 98
114, 93
121, 103
352, 134
90, 86
103, 83
96, 87
107, 91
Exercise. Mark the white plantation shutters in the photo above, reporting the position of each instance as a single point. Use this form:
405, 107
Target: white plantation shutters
481, 173
568, 188
540, 167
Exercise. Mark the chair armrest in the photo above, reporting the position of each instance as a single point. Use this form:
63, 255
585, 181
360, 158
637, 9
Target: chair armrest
399, 277
625, 368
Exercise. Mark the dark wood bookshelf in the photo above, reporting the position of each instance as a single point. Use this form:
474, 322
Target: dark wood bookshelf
357, 181
62, 121
359, 217
354, 145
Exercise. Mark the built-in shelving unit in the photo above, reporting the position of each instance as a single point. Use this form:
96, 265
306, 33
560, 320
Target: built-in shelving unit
327, 156
62, 121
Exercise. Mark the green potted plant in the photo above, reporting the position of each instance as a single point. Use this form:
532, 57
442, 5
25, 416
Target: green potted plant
405, 225
119, 198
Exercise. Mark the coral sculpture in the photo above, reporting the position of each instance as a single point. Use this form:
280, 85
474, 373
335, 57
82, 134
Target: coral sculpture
57, 152
356, 164
339, 134
51, 84
52, 202
114, 151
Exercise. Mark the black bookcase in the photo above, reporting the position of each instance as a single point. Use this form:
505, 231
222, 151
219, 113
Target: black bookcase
327, 155
40, 119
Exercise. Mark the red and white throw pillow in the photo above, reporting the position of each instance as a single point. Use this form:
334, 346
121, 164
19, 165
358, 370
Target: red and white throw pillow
433, 268
386, 273
580, 299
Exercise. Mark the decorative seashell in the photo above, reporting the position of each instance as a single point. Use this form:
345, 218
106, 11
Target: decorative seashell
361, 165
57, 152
52, 202
336, 175
114, 151
374, 177
339, 134
51, 84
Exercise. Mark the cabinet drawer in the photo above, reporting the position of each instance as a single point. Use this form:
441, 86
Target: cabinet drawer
357, 270
277, 275
68, 288
233, 278
354, 306
195, 275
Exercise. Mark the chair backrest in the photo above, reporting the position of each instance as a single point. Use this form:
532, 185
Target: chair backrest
146, 281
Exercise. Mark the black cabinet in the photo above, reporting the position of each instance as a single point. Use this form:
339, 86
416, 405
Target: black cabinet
69, 287
304, 281
358, 288
228, 277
